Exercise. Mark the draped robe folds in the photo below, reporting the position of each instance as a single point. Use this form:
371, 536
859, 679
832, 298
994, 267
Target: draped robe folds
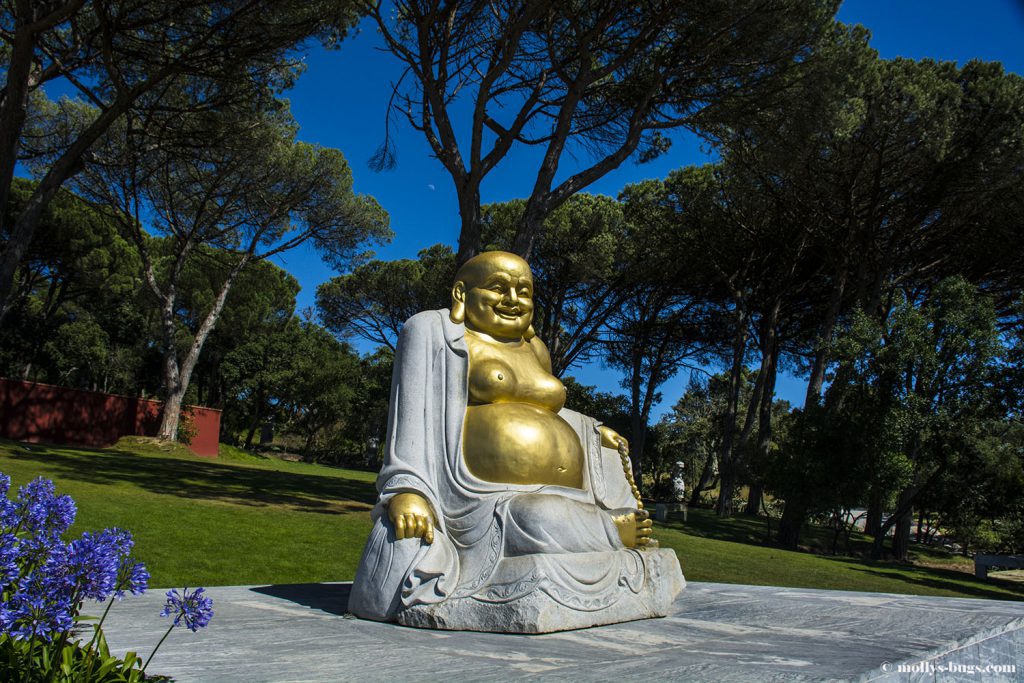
493, 542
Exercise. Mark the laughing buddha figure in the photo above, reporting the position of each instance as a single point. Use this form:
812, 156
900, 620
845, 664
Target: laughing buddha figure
499, 509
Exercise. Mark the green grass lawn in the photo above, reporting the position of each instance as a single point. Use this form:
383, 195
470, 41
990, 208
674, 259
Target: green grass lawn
200, 521
241, 519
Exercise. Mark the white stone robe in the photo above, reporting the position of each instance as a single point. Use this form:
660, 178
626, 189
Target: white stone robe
493, 542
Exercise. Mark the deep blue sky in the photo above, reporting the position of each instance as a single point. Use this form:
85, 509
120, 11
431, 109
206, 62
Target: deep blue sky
340, 102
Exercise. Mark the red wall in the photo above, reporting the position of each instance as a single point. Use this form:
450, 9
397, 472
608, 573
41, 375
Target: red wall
33, 412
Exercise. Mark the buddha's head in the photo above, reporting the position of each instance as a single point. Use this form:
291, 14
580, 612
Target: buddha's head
493, 294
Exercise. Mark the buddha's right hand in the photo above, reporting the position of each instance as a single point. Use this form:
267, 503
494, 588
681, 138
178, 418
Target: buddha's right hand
411, 516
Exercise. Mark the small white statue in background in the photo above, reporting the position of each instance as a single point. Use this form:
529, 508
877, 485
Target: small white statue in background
678, 481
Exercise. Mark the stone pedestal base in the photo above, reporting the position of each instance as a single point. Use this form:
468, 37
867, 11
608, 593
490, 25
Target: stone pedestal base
538, 612
663, 510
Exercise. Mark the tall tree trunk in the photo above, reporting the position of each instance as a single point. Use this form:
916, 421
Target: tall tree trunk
873, 518
901, 529
171, 415
877, 548
173, 391
254, 423
741, 453
756, 489
904, 512
637, 425
794, 515
266, 433
654, 380
727, 460
823, 349
636, 449
764, 399
754, 495
470, 239
14, 108
705, 478
531, 225
750, 417
307, 446
176, 393
797, 498
250, 434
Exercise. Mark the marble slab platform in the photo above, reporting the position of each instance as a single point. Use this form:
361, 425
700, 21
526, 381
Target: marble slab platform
715, 632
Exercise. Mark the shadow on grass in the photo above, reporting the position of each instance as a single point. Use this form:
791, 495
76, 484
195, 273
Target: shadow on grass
200, 480
327, 597
814, 539
752, 531
944, 579
738, 529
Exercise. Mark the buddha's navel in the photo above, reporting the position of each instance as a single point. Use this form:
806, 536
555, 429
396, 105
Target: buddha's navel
519, 443
513, 434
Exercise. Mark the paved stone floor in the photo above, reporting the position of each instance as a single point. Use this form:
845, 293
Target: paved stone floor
717, 632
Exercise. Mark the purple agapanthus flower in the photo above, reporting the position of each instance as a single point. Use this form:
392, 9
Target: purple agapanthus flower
132, 577
9, 554
92, 564
41, 511
7, 509
36, 611
119, 539
44, 578
97, 566
192, 609
6, 618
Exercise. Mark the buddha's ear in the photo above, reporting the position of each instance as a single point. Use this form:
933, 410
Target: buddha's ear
530, 333
458, 312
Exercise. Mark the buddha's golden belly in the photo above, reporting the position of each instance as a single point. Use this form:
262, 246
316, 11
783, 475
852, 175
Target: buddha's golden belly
518, 443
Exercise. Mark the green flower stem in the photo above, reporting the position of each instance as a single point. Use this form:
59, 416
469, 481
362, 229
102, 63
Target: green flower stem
98, 628
95, 634
28, 658
55, 661
157, 647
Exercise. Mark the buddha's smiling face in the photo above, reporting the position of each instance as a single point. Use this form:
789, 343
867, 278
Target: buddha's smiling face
497, 290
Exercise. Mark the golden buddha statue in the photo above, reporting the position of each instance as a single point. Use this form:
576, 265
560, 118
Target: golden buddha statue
492, 493
512, 431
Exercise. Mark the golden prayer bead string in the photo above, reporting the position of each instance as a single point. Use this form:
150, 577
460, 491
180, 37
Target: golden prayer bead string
627, 469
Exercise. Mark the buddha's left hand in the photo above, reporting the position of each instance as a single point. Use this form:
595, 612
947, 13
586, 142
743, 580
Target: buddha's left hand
612, 439
634, 527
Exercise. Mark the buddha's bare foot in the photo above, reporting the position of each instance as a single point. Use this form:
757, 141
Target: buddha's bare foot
634, 527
